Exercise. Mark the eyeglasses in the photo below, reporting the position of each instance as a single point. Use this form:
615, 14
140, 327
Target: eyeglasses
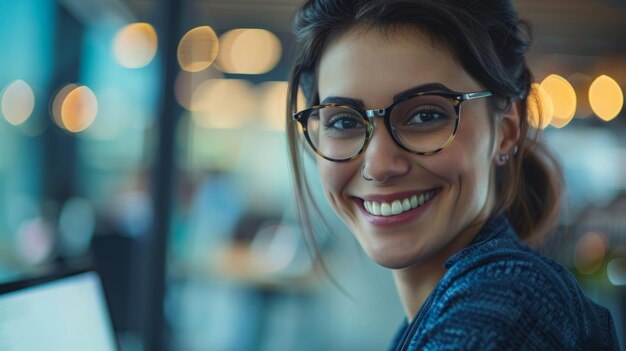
422, 123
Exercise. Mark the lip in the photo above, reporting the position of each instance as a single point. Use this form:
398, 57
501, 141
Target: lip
397, 220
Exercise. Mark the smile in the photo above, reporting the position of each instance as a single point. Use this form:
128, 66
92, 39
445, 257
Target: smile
397, 207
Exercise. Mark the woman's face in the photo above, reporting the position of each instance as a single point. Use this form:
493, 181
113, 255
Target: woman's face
368, 67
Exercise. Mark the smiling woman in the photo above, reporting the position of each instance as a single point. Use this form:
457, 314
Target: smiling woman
453, 176
418, 117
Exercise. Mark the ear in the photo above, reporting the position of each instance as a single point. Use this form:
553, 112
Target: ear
507, 133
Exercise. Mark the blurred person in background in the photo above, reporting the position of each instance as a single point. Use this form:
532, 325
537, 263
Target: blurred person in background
418, 119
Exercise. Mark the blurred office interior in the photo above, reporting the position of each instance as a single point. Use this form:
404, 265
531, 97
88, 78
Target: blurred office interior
146, 138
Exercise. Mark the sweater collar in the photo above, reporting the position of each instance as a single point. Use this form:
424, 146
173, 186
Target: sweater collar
497, 227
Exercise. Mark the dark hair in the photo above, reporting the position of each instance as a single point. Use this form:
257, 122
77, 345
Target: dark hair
489, 42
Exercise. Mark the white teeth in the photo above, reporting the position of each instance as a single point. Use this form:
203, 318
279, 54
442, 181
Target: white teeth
414, 202
406, 205
375, 208
397, 206
385, 209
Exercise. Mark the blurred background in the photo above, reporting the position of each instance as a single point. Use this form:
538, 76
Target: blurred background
146, 138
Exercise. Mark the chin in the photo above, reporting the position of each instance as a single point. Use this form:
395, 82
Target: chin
392, 259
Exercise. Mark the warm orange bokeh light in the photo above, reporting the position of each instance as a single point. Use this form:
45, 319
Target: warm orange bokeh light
606, 98
135, 45
57, 103
198, 49
563, 99
589, 253
79, 109
249, 51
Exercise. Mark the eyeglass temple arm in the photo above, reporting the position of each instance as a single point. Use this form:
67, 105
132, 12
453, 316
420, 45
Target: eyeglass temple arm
476, 95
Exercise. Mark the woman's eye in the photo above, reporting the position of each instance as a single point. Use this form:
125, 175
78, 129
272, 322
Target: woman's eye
344, 123
427, 115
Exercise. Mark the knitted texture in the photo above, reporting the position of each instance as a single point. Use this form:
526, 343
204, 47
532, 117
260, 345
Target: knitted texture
499, 294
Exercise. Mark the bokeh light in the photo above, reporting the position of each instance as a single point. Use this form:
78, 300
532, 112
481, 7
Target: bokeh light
223, 103
35, 241
563, 99
198, 49
606, 98
79, 109
540, 107
18, 102
57, 104
135, 45
589, 253
186, 83
616, 271
248, 51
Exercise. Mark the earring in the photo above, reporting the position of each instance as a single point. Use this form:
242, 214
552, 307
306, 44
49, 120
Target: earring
503, 158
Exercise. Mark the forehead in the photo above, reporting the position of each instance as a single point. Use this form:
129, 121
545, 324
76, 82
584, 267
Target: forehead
374, 66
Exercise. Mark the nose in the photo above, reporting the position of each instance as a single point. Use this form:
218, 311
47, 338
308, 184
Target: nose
383, 159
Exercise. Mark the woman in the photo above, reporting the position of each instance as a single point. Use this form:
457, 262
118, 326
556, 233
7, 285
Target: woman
418, 118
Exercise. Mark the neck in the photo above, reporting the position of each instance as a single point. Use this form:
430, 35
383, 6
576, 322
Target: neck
416, 282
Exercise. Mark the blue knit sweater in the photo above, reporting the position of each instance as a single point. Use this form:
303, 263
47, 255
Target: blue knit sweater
498, 294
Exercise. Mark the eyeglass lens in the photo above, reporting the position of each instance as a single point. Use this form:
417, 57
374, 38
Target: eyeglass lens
422, 124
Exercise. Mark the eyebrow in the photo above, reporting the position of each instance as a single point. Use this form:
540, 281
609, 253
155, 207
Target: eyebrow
343, 101
430, 87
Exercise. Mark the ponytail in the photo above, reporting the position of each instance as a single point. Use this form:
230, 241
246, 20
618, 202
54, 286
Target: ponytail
531, 185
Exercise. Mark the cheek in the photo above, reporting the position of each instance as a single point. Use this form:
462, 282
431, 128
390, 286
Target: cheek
335, 178
473, 180
467, 170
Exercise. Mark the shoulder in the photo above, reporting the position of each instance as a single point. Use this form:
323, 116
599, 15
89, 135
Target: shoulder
498, 294
505, 261
514, 277
506, 296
